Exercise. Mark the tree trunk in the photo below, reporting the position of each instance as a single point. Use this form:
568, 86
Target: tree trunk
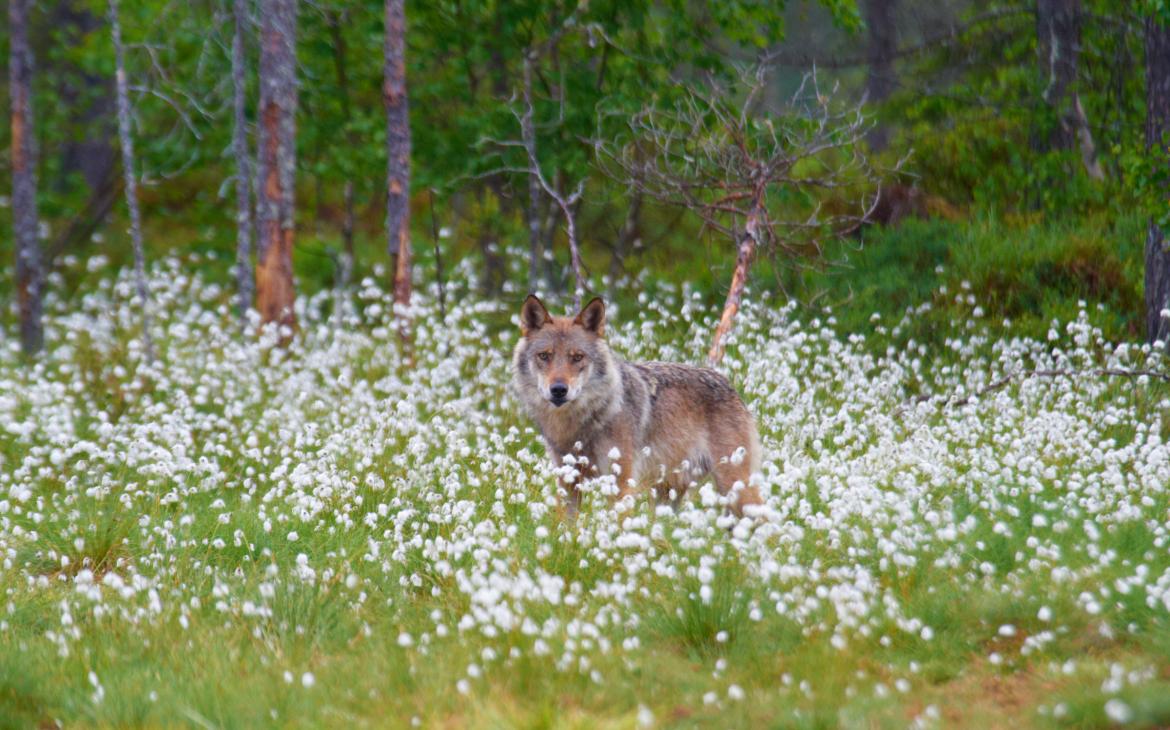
553, 274
441, 285
882, 44
748, 244
536, 235
244, 280
29, 275
1157, 126
397, 150
535, 242
276, 171
566, 204
536, 245
574, 252
126, 140
1058, 36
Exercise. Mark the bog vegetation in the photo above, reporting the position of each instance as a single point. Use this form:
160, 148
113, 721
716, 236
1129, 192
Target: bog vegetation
334, 535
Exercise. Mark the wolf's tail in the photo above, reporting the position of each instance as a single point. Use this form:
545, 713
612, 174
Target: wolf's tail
757, 451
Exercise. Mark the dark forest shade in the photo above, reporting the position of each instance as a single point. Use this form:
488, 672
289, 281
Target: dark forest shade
244, 283
1058, 44
337, 20
1157, 126
87, 99
24, 182
276, 168
397, 149
881, 47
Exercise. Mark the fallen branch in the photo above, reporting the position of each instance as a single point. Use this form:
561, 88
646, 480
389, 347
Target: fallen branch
1006, 380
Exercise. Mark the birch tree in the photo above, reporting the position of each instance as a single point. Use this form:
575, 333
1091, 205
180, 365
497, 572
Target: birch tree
130, 179
397, 150
29, 275
276, 168
566, 203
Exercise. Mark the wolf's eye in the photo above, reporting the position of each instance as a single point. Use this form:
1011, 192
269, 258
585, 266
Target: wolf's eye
577, 357
542, 356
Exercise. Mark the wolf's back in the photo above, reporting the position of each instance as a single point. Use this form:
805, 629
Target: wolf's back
710, 386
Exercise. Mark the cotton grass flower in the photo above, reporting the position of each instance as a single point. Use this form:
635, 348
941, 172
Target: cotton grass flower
279, 492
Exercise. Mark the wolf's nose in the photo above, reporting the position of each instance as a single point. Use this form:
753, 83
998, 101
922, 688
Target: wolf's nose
558, 390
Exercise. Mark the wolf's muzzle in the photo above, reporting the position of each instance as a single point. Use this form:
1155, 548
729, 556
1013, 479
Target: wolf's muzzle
558, 393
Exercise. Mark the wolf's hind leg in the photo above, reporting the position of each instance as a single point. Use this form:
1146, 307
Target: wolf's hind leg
669, 493
734, 460
735, 480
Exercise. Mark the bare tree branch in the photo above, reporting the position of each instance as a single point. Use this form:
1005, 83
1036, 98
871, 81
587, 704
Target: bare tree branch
567, 204
780, 182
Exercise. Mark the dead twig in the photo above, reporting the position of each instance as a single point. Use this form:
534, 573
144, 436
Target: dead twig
948, 400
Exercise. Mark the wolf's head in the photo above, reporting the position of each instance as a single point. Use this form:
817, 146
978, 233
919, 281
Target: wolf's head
561, 355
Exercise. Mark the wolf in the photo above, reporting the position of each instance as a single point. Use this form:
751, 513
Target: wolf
652, 425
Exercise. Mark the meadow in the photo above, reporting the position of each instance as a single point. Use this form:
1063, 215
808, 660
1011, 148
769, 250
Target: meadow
350, 533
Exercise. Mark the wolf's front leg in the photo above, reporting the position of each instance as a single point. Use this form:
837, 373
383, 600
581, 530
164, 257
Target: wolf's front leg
569, 471
623, 471
616, 459
571, 502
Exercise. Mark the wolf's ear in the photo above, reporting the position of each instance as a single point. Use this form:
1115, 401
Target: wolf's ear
533, 315
592, 317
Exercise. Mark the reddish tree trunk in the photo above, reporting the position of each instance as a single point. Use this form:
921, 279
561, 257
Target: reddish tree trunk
276, 169
748, 244
29, 277
1157, 140
397, 150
